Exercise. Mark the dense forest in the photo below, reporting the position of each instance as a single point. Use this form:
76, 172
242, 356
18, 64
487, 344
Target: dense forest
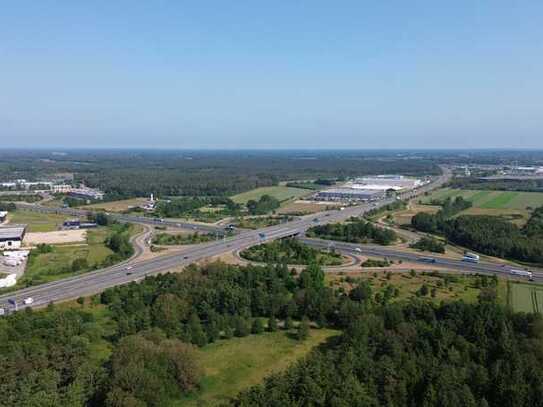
355, 231
418, 354
202, 173
490, 235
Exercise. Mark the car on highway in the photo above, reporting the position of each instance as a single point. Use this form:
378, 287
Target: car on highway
185, 257
358, 250
427, 259
28, 301
128, 270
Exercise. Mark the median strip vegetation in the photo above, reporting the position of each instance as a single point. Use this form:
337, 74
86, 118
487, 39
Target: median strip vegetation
356, 230
291, 251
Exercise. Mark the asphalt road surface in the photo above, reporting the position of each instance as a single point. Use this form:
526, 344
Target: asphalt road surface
97, 281
437, 261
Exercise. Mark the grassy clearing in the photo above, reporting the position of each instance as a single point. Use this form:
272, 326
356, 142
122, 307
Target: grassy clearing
281, 193
46, 267
524, 297
233, 365
37, 222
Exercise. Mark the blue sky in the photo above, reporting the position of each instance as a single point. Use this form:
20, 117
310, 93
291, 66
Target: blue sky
282, 74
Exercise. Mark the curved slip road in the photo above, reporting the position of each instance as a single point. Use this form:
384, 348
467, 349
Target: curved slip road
437, 261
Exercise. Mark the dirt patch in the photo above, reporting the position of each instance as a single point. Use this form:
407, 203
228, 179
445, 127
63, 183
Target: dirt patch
56, 237
307, 207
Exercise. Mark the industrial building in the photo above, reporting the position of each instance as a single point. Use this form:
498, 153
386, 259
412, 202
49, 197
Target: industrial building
11, 237
86, 193
386, 182
349, 194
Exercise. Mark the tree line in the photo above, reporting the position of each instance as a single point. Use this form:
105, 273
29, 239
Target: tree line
490, 235
433, 223
526, 185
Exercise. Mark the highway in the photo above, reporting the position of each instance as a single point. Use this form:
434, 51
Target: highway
422, 258
123, 218
97, 281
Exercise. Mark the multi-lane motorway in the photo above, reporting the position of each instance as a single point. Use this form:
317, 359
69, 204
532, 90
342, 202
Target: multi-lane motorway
94, 282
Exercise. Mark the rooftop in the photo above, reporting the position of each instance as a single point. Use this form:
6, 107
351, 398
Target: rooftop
14, 232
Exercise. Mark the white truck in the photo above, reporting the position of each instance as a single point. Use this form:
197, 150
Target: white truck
522, 273
471, 257
28, 301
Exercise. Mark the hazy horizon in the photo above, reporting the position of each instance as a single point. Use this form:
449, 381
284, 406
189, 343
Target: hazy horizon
393, 76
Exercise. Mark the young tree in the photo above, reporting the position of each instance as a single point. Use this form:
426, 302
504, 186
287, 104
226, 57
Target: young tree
258, 326
272, 324
303, 329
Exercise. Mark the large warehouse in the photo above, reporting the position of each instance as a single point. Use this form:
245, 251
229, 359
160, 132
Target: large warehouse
11, 237
349, 194
384, 182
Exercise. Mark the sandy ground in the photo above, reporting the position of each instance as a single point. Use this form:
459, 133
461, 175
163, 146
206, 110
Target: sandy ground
303, 206
56, 237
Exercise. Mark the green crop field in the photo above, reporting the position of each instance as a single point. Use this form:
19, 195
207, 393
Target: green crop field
37, 222
233, 365
525, 297
491, 199
281, 193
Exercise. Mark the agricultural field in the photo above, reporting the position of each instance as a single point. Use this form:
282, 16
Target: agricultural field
513, 206
524, 297
236, 364
117, 206
491, 199
281, 193
37, 222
